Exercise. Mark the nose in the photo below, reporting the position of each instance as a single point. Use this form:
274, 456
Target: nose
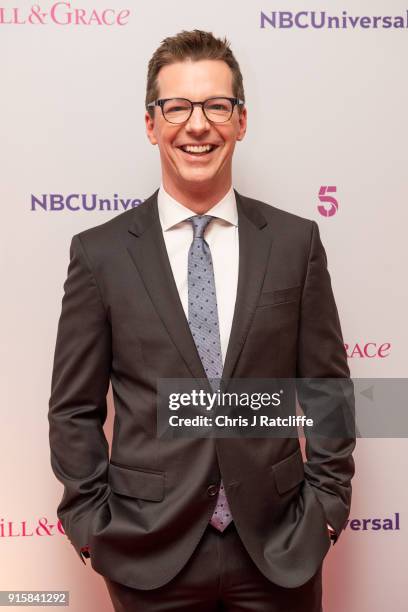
198, 121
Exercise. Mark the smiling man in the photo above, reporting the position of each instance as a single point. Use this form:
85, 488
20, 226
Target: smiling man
197, 282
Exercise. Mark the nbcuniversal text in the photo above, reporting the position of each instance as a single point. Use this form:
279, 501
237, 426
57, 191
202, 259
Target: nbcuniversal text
318, 20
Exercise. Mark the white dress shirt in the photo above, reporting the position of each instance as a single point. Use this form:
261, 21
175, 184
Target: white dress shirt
222, 238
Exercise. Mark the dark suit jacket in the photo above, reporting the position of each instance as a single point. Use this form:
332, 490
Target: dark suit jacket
144, 509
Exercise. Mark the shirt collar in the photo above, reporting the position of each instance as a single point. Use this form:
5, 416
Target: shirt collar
171, 212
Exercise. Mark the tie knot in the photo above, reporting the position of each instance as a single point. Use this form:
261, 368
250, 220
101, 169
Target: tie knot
199, 223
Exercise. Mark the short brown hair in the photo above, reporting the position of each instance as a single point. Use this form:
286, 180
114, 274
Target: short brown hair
194, 45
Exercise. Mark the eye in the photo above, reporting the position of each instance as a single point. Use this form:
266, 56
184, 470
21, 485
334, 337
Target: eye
218, 106
174, 109
176, 106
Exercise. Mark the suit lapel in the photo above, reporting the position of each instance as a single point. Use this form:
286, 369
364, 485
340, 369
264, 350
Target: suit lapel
148, 252
254, 247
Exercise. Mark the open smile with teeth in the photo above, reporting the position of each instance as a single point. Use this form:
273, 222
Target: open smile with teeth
198, 149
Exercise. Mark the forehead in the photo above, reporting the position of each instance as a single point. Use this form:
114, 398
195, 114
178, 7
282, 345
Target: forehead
195, 80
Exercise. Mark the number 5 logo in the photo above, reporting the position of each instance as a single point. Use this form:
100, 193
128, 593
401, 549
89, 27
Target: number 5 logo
330, 206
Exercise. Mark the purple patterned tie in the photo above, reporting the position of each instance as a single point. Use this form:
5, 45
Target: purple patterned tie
204, 325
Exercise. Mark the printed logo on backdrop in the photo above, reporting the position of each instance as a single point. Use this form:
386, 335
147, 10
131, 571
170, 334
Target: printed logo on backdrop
390, 523
368, 350
317, 20
64, 14
329, 205
30, 529
44, 528
55, 202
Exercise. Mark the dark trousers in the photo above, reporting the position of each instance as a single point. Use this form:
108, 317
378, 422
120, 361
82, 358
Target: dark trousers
219, 576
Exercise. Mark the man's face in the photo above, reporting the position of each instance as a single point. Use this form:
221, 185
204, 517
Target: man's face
180, 169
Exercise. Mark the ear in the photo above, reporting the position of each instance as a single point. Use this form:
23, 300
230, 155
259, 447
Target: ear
242, 123
150, 128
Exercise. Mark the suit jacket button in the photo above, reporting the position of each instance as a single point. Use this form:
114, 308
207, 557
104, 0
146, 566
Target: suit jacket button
212, 490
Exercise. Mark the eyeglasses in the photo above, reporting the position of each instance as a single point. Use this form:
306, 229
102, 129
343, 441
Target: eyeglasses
178, 110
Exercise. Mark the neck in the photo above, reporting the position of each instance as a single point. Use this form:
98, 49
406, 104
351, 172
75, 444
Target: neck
197, 198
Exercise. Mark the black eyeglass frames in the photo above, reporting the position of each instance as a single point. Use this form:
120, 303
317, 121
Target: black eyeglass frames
217, 109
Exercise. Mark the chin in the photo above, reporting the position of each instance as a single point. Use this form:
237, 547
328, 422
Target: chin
197, 177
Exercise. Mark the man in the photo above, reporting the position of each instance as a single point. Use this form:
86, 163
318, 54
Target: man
198, 281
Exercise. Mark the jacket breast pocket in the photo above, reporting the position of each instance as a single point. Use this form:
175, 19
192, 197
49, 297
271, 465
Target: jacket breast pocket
136, 482
289, 472
279, 296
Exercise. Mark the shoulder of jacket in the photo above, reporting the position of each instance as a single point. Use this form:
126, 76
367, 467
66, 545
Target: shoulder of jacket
275, 214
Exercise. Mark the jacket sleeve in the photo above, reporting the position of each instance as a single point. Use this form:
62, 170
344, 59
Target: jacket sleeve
77, 405
321, 355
